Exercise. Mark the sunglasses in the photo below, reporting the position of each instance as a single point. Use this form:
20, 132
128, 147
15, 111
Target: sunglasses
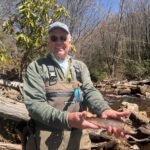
58, 38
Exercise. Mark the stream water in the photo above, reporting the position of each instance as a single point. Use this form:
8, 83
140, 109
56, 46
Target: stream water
115, 102
144, 105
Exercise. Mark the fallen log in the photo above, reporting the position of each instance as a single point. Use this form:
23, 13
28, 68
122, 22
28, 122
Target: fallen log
12, 109
9, 146
12, 84
137, 88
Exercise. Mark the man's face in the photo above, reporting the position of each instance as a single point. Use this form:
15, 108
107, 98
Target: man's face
59, 43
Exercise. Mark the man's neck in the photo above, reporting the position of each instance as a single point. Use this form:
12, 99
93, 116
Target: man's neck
59, 59
63, 63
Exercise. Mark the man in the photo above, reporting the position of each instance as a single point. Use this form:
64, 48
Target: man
57, 92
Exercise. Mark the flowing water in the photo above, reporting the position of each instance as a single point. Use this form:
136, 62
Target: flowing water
144, 105
115, 102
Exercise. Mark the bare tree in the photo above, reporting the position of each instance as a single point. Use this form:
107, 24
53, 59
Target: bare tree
121, 43
7, 7
85, 15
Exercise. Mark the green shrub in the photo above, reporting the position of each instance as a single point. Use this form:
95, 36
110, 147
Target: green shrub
134, 71
146, 64
97, 74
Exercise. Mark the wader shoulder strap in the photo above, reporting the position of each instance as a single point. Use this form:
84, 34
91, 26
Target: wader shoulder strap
77, 70
52, 73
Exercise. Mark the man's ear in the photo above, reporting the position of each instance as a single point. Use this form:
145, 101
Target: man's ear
70, 43
48, 43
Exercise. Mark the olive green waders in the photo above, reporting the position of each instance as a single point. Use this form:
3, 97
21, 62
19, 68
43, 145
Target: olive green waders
65, 140
61, 96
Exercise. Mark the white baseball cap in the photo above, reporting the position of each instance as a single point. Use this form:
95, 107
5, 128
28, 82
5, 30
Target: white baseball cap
58, 24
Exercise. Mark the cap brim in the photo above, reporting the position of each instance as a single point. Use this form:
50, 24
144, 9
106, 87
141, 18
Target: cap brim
51, 29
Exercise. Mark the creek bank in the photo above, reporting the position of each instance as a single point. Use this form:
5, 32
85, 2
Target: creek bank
132, 88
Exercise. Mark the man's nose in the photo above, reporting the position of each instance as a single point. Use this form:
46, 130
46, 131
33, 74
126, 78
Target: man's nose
59, 41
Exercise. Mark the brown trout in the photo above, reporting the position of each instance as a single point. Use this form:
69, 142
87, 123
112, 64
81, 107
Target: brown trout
105, 123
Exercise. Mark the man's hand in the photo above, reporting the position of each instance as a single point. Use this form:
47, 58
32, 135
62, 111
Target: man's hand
110, 113
77, 120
